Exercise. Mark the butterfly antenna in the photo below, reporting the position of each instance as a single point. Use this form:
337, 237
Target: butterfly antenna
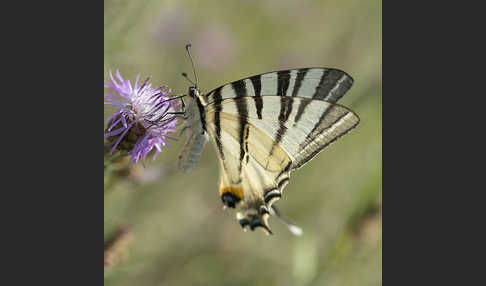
188, 46
293, 228
188, 79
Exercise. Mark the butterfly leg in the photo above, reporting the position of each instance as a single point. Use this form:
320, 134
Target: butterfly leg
183, 105
184, 130
179, 114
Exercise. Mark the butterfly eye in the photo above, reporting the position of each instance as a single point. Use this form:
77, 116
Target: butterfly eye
192, 92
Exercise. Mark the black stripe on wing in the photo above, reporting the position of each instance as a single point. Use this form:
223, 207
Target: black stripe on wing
286, 103
271, 195
333, 85
318, 130
217, 120
283, 78
298, 81
300, 111
257, 87
239, 88
318, 123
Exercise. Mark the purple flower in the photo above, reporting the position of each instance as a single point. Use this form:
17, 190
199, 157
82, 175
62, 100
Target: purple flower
143, 120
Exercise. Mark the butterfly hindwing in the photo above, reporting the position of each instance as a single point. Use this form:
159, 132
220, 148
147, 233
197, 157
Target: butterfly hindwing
246, 177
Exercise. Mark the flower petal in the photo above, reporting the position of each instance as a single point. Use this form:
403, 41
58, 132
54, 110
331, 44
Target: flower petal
115, 132
120, 138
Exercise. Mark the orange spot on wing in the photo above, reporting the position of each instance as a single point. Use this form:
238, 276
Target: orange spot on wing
238, 192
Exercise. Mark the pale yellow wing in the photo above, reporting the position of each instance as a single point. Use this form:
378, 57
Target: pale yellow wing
257, 154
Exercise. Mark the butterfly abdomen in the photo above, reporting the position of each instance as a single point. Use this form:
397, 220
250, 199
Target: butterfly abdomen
195, 151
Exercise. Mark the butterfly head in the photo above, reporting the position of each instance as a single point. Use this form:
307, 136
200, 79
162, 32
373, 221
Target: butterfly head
196, 95
193, 92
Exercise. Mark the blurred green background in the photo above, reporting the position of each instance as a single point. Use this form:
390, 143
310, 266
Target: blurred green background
180, 234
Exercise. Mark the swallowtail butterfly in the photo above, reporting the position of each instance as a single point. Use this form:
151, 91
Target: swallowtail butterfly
264, 127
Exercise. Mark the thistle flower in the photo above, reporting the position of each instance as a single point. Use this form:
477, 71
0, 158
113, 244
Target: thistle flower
143, 120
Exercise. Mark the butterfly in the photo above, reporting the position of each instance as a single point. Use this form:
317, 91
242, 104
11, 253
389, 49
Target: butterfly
263, 127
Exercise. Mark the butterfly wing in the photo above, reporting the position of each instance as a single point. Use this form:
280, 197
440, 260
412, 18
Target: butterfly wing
261, 134
317, 83
244, 174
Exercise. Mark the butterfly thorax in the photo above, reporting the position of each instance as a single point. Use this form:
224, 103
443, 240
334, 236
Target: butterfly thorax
194, 111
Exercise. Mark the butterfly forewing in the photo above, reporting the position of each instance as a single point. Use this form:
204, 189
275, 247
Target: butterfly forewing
318, 83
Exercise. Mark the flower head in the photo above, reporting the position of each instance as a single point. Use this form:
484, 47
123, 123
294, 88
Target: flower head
144, 117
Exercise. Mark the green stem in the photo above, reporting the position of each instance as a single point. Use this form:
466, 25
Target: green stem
110, 159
